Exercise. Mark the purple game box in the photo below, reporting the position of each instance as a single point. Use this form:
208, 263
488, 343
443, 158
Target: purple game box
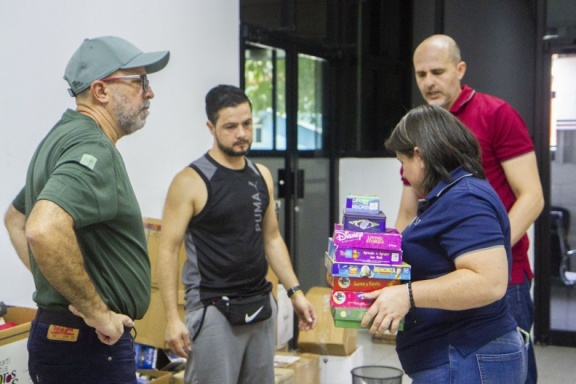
391, 240
374, 271
363, 255
364, 222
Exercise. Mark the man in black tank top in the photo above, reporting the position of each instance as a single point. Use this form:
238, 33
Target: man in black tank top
221, 207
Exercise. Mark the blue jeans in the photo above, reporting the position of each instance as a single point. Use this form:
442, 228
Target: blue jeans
86, 360
522, 309
503, 360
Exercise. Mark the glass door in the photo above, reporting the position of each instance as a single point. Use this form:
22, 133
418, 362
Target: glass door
287, 93
562, 192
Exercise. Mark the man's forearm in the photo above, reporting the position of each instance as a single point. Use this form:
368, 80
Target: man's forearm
167, 269
54, 246
15, 223
523, 214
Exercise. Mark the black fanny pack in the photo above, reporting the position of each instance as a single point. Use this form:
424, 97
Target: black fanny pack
244, 310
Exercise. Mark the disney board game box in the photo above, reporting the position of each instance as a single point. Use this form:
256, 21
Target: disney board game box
390, 240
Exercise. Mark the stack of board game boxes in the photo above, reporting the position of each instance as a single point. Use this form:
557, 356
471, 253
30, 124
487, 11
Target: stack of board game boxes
363, 256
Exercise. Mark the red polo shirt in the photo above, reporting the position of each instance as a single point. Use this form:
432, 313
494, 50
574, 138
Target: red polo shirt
502, 135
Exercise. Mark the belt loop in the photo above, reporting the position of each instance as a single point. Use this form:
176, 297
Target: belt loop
525, 336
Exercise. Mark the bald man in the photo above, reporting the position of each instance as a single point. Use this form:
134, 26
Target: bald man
508, 160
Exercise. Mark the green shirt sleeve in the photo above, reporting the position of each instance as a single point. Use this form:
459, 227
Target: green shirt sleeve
84, 183
19, 201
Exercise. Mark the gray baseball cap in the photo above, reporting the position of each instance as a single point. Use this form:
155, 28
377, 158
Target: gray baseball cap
99, 57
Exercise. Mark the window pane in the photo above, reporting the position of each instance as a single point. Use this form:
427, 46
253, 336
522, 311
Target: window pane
265, 86
310, 102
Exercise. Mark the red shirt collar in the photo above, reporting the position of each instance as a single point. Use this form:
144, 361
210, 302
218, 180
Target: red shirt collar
465, 96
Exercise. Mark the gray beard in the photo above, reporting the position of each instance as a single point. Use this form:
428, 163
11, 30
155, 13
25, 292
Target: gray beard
128, 121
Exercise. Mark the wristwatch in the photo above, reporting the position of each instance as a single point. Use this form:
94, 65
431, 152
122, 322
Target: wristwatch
293, 290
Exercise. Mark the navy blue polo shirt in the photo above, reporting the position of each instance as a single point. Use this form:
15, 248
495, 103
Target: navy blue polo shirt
456, 218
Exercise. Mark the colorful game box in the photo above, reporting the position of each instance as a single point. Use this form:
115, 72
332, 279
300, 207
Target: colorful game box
349, 299
358, 284
390, 240
348, 314
352, 317
363, 255
374, 271
363, 203
364, 222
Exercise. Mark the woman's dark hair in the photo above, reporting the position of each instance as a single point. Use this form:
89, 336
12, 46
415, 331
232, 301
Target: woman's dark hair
443, 141
224, 96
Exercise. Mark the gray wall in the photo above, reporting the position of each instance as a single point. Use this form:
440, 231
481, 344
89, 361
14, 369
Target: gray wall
497, 42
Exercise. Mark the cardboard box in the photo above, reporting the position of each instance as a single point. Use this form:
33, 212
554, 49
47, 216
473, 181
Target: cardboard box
282, 376
306, 366
22, 317
336, 369
326, 339
13, 346
178, 377
149, 376
151, 328
358, 284
152, 228
372, 271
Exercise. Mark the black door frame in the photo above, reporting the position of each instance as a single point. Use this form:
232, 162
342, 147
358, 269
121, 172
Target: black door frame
542, 287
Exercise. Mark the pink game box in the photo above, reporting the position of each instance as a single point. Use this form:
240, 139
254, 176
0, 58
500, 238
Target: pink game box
390, 240
363, 255
349, 299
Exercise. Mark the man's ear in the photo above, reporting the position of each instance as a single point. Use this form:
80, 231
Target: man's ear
211, 127
461, 68
99, 91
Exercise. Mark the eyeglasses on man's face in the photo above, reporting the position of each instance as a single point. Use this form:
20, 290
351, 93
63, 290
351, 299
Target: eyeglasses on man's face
143, 79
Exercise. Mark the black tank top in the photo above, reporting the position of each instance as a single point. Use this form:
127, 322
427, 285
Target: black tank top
224, 242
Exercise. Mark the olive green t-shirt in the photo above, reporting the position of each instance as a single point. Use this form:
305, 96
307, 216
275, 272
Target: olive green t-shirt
78, 168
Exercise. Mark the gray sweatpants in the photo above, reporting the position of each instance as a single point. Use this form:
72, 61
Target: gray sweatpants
226, 354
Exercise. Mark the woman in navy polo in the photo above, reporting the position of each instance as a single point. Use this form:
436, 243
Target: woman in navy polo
457, 327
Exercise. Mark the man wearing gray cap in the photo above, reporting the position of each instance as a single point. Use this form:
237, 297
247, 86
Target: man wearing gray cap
77, 224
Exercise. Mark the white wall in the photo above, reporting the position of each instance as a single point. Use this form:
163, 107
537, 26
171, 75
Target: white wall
374, 176
36, 40
381, 177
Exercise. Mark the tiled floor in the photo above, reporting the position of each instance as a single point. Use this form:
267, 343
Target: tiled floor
555, 364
